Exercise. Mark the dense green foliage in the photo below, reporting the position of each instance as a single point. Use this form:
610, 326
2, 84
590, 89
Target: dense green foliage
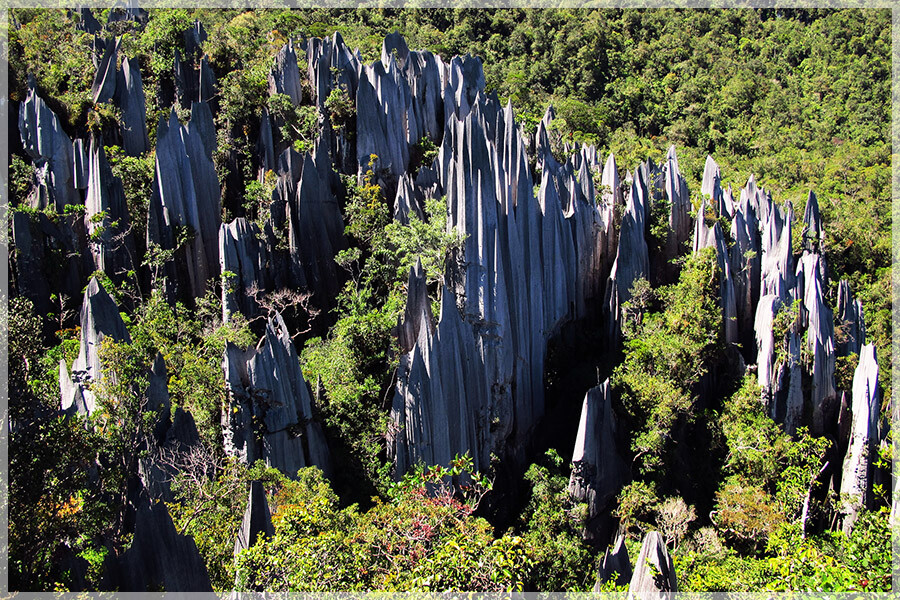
666, 354
415, 541
355, 365
797, 97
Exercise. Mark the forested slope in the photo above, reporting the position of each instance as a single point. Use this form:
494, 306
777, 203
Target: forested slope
271, 257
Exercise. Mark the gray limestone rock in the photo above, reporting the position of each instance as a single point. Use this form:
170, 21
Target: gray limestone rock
777, 264
611, 200
291, 439
712, 237
407, 201
677, 192
46, 143
331, 64
598, 470
521, 273
632, 256
99, 319
463, 79
130, 92
418, 309
131, 12
158, 395
384, 111
243, 258
851, 322
284, 77
394, 46
257, 519
712, 181
103, 89
186, 196
106, 218
615, 561
813, 234
36, 239
160, 558
820, 341
746, 268
87, 23
239, 439
81, 159
194, 39
857, 476
265, 146
766, 310
206, 86
315, 232
654, 571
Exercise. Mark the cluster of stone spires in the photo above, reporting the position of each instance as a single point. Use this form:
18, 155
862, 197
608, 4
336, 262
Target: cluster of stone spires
472, 381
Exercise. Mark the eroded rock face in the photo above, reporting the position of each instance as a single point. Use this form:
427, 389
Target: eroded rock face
679, 199
104, 86
99, 319
712, 237
813, 234
654, 571
598, 471
615, 561
185, 204
106, 218
87, 23
47, 144
820, 342
852, 322
385, 123
330, 64
284, 77
243, 261
268, 384
857, 476
160, 558
768, 307
632, 256
257, 519
130, 92
525, 269
746, 268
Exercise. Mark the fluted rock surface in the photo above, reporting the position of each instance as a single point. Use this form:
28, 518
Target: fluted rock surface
598, 470
284, 77
857, 476
160, 558
746, 268
87, 23
47, 144
185, 209
81, 164
654, 571
384, 119
243, 261
268, 384
331, 64
106, 218
519, 278
615, 561
99, 319
713, 237
851, 321
632, 256
130, 94
257, 519
820, 341
104, 86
